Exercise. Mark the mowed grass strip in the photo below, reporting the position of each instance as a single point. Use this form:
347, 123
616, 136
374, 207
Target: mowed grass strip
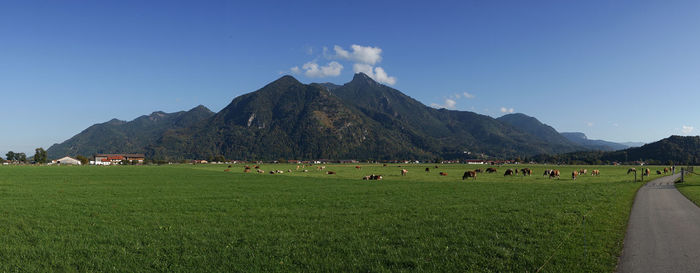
691, 187
202, 219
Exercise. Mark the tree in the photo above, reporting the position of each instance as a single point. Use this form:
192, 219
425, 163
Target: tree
40, 156
83, 160
10, 156
21, 157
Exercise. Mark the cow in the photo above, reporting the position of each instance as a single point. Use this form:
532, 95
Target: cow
508, 172
373, 177
665, 170
554, 173
546, 172
631, 170
516, 171
491, 170
427, 170
330, 172
260, 171
658, 172
647, 172
227, 170
358, 167
443, 174
436, 166
468, 174
574, 174
582, 171
526, 171
403, 172
595, 173
257, 167
366, 177
246, 170
479, 170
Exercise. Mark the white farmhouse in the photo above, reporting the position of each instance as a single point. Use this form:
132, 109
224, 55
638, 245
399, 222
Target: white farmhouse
67, 161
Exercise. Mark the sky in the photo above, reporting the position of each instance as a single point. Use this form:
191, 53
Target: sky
614, 70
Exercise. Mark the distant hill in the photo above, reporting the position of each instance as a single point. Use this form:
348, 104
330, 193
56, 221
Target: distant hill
633, 144
287, 119
592, 144
117, 136
672, 150
536, 128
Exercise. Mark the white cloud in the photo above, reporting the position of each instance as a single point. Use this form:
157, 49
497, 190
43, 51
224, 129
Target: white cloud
312, 69
360, 54
468, 95
507, 110
589, 123
449, 104
687, 129
459, 96
376, 73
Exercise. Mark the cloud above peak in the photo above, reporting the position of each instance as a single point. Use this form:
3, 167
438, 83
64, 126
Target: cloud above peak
360, 54
313, 70
364, 59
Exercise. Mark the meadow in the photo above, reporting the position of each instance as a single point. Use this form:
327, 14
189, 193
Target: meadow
200, 218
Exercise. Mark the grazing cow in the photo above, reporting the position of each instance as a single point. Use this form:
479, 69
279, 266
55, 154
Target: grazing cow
582, 171
257, 167
227, 170
631, 170
647, 172
427, 170
443, 174
279, 171
373, 177
330, 172
574, 174
246, 170
554, 173
658, 172
526, 171
306, 171
229, 166
468, 174
358, 167
479, 170
403, 172
665, 170
546, 172
436, 166
491, 170
272, 172
289, 170
260, 171
516, 170
509, 172
595, 173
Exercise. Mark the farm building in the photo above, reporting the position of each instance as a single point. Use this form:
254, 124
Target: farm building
109, 159
66, 161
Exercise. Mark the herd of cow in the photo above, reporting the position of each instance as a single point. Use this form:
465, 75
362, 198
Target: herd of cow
551, 173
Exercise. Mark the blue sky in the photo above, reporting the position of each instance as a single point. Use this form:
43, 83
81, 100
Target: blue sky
615, 70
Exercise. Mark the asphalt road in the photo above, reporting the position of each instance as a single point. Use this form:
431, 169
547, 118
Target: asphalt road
663, 234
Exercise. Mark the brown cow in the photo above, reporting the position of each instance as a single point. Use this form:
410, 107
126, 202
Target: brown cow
595, 173
526, 171
647, 172
358, 167
468, 174
631, 170
479, 170
574, 174
582, 171
554, 173
658, 172
403, 172
443, 174
546, 172
665, 170
246, 170
508, 172
491, 170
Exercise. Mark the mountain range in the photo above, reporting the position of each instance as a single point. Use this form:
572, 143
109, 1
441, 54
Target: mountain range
361, 119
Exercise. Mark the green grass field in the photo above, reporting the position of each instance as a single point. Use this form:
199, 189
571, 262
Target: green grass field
691, 188
201, 219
